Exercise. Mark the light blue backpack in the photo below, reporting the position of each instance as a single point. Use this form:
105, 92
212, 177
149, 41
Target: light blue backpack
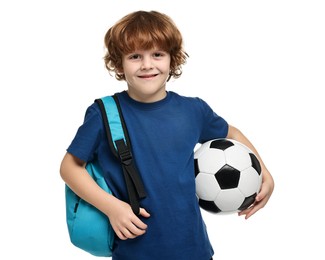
89, 229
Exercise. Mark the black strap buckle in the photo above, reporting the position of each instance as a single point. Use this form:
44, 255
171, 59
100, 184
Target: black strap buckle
123, 152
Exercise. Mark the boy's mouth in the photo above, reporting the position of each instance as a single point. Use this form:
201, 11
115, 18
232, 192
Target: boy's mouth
148, 76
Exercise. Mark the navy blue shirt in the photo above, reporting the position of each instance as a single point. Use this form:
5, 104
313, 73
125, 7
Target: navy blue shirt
163, 136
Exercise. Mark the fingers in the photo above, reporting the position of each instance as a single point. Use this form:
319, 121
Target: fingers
261, 199
133, 227
259, 203
250, 211
144, 213
131, 232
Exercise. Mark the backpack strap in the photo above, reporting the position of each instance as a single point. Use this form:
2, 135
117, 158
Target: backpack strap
120, 145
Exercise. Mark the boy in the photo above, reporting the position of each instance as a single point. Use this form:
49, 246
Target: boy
145, 49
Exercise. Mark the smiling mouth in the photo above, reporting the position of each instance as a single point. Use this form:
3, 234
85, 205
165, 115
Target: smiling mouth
148, 76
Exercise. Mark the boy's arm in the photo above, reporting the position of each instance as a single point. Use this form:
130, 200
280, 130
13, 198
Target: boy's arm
267, 181
124, 222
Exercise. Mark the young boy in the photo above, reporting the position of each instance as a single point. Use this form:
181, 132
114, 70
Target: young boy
145, 49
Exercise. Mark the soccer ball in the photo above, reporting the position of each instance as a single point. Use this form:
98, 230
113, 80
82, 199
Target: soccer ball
227, 176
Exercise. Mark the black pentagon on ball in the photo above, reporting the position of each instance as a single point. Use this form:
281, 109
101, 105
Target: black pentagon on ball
228, 177
209, 206
247, 202
255, 163
196, 167
221, 144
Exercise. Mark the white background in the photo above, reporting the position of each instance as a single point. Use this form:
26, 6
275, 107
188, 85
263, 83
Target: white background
259, 64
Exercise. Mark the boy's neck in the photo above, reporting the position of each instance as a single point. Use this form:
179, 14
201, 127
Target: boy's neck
147, 98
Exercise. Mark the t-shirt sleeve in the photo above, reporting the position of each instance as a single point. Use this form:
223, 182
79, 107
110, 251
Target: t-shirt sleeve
86, 141
213, 125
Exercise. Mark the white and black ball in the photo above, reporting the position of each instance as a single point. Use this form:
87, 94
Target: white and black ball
227, 176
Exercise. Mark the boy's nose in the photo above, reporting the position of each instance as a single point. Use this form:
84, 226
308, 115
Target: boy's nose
146, 64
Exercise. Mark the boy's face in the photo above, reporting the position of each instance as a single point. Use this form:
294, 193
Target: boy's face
146, 73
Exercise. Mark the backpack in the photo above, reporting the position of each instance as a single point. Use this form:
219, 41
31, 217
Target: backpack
89, 229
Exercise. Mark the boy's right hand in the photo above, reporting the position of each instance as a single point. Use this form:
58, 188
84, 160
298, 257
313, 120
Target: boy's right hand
124, 222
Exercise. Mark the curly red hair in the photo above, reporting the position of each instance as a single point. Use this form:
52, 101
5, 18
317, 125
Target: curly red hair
144, 30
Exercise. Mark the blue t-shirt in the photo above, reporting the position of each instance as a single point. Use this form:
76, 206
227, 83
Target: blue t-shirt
163, 136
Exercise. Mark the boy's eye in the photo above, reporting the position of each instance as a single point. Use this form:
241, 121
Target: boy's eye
134, 56
158, 54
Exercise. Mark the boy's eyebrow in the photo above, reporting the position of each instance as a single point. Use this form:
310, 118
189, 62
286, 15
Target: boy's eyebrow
139, 51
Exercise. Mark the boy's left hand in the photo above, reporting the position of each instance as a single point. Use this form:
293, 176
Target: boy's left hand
262, 197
